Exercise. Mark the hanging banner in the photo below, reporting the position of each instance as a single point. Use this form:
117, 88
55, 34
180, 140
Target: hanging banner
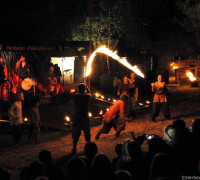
42, 46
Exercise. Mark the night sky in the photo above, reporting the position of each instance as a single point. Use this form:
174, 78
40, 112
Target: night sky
38, 20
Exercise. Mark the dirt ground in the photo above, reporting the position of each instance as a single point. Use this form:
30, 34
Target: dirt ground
184, 104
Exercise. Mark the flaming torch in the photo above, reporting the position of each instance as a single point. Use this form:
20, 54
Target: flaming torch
114, 55
67, 120
192, 78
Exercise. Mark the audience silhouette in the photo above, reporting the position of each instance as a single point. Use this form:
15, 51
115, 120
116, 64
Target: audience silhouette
171, 158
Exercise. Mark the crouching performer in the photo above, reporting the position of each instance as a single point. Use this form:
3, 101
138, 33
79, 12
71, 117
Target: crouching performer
115, 118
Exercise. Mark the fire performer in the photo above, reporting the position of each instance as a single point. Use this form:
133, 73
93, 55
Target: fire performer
114, 118
81, 119
133, 94
15, 113
160, 99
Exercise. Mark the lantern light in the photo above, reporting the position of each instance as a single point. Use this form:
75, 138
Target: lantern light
141, 104
67, 118
101, 112
90, 114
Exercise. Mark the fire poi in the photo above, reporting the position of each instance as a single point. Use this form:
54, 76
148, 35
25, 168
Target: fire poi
114, 55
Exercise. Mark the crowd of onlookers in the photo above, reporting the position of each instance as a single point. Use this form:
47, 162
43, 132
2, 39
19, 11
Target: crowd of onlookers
174, 157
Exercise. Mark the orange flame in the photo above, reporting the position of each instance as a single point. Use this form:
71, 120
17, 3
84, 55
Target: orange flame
174, 66
114, 55
190, 76
67, 118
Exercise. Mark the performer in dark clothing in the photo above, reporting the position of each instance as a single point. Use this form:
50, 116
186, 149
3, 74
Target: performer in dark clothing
133, 94
116, 83
35, 121
81, 119
124, 88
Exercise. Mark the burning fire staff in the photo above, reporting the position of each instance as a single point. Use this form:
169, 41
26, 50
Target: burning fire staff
160, 99
81, 119
114, 118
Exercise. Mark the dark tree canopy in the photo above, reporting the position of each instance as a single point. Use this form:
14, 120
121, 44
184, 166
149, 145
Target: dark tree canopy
189, 18
109, 20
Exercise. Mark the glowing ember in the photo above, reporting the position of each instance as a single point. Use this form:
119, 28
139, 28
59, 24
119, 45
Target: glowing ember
109, 99
72, 90
90, 114
25, 119
67, 118
190, 76
114, 100
140, 104
97, 95
174, 66
114, 55
148, 102
107, 109
101, 112
102, 97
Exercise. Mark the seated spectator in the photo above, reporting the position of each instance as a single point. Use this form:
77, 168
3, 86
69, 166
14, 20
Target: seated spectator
199, 169
36, 169
196, 129
182, 149
123, 175
42, 178
162, 166
90, 150
196, 143
52, 171
136, 165
24, 174
118, 151
100, 165
45, 157
170, 135
182, 135
101, 160
162, 178
125, 155
157, 145
4, 174
103, 174
75, 168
